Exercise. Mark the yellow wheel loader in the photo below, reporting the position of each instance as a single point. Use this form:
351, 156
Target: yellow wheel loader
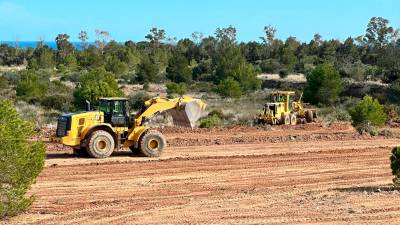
284, 110
110, 127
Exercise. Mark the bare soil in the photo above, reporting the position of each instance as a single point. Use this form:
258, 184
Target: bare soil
310, 174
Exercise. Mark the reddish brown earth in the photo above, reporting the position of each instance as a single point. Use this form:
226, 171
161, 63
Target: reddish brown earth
304, 175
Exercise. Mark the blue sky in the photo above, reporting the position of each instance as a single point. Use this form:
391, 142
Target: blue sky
131, 20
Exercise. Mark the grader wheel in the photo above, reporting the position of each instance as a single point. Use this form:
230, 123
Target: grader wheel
286, 120
152, 144
309, 116
101, 144
293, 119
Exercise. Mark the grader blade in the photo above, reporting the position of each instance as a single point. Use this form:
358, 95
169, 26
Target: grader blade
188, 113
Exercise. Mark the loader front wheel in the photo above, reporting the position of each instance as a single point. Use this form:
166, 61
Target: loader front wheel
152, 144
101, 144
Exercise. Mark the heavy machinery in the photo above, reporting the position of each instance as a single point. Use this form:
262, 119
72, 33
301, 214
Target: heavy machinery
284, 110
110, 127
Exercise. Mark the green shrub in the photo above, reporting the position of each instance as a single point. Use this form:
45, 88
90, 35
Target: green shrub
21, 160
368, 111
283, 73
95, 84
334, 114
395, 164
175, 88
210, 121
136, 101
229, 88
30, 86
146, 86
367, 128
58, 102
323, 85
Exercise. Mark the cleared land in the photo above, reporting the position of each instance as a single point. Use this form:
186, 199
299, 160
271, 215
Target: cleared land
303, 175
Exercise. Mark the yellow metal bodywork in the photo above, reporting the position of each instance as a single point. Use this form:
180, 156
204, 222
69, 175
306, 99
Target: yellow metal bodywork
283, 103
83, 123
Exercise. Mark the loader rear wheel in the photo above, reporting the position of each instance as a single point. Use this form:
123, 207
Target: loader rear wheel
309, 116
101, 144
152, 144
293, 119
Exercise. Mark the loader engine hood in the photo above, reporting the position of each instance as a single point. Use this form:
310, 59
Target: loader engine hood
72, 120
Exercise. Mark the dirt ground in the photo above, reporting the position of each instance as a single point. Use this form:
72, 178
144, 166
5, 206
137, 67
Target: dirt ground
309, 174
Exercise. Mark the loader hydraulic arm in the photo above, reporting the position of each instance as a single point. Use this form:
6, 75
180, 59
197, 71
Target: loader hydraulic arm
189, 107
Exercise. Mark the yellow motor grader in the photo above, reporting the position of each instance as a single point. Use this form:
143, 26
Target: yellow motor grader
100, 131
284, 110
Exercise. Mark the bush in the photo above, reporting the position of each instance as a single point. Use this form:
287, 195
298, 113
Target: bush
136, 101
58, 102
283, 73
229, 88
209, 121
395, 165
21, 160
323, 85
335, 114
30, 86
368, 111
95, 84
175, 88
367, 128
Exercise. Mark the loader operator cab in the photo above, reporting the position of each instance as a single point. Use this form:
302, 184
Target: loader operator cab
115, 111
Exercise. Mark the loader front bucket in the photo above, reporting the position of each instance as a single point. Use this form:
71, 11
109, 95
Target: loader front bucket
188, 113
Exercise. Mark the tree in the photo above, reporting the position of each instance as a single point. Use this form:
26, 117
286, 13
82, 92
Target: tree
378, 33
229, 88
368, 110
83, 37
21, 160
42, 57
178, 69
102, 38
231, 63
226, 35
64, 47
270, 32
323, 85
95, 84
156, 36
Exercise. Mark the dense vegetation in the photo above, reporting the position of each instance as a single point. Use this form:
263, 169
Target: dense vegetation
20, 160
217, 63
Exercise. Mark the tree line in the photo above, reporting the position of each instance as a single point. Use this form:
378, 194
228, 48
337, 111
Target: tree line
228, 66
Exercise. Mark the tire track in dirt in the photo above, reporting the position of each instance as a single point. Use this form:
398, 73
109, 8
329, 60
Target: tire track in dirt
281, 183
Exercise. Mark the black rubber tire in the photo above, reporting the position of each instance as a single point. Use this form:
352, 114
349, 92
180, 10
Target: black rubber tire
134, 150
155, 138
293, 119
309, 116
101, 144
80, 152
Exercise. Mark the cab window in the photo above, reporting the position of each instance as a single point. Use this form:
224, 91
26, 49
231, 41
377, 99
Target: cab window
118, 108
104, 106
